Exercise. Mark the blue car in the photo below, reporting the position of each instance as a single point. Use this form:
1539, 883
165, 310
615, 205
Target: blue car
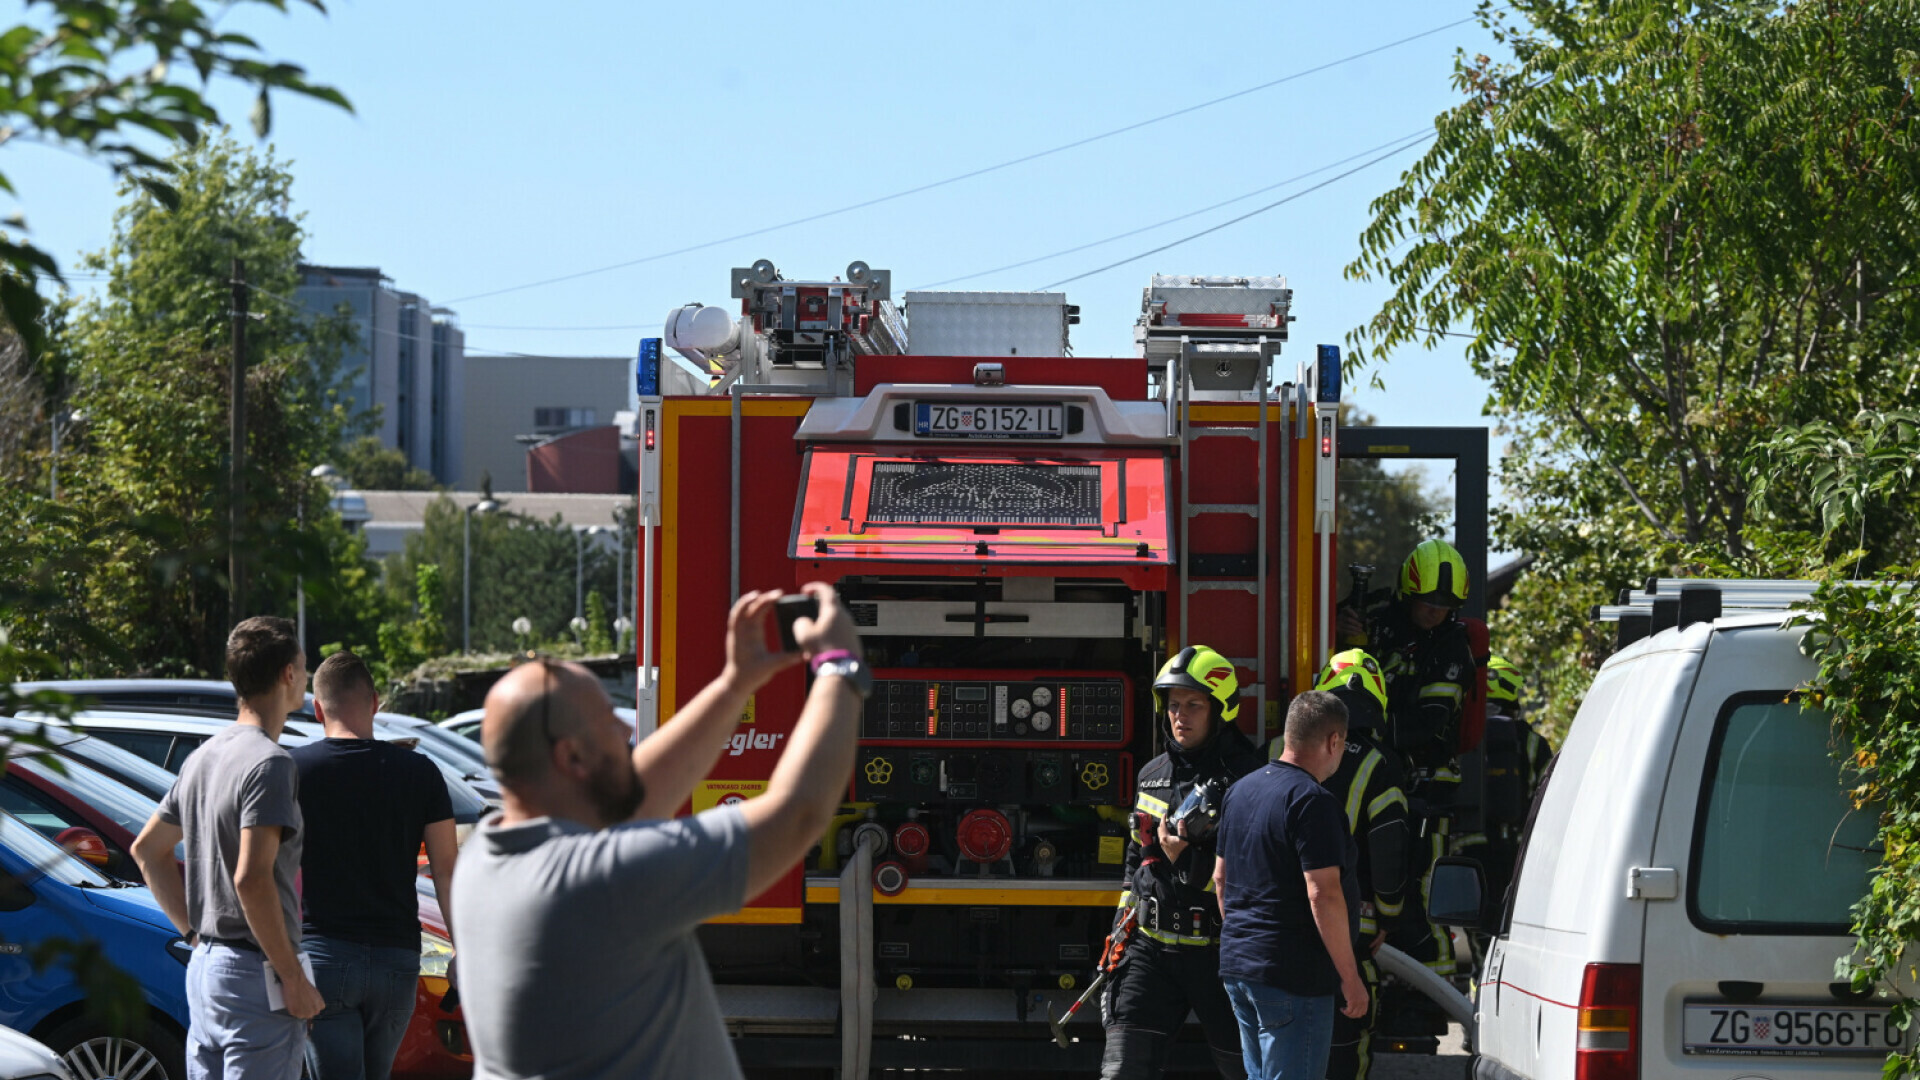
47, 893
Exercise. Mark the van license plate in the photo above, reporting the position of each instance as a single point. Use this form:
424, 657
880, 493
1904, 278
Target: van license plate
980, 420
1790, 1030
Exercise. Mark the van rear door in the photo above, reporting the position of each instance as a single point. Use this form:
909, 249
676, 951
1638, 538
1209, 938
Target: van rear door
1758, 857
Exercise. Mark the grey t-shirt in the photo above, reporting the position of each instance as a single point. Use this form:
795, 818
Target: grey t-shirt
238, 779
576, 950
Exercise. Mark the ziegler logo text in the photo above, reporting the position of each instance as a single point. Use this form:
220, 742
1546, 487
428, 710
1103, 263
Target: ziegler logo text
753, 740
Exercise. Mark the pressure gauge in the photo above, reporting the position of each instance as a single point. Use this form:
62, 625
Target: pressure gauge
1042, 721
1019, 708
1042, 696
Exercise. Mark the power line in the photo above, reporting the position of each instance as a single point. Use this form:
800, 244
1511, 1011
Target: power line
629, 326
1182, 217
966, 175
1249, 214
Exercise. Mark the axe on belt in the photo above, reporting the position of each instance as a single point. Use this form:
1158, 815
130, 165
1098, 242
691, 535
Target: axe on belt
1110, 955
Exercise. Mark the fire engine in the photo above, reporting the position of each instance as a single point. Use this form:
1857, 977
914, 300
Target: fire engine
1023, 536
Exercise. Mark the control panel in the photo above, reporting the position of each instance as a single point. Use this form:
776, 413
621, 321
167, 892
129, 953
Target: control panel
901, 774
1032, 708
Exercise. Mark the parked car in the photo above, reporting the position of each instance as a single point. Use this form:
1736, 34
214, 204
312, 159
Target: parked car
435, 1043
1684, 886
22, 1058
46, 893
104, 757
165, 739
467, 724
212, 698
86, 812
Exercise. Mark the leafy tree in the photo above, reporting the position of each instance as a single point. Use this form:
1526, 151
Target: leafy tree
1670, 228
103, 76
1383, 515
371, 465
522, 567
149, 363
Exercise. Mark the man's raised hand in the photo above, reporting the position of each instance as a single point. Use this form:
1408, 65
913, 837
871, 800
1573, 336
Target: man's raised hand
750, 662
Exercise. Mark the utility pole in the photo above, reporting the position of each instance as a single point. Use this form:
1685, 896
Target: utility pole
237, 452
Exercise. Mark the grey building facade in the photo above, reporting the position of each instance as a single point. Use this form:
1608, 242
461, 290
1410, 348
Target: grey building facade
508, 397
409, 363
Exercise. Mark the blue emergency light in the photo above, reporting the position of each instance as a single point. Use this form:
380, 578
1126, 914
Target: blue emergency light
1329, 375
646, 372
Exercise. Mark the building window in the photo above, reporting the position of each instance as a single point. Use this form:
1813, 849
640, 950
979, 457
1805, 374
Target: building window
563, 418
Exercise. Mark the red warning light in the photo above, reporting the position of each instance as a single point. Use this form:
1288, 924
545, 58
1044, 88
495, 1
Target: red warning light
1063, 712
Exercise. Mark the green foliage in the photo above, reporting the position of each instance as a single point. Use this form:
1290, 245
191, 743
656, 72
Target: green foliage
1673, 230
598, 640
1850, 474
1866, 640
137, 547
105, 76
521, 567
1383, 515
371, 465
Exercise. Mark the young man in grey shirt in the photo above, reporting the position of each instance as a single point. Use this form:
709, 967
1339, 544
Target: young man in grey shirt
235, 805
575, 906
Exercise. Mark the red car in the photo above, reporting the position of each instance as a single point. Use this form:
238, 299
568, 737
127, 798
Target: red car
97, 818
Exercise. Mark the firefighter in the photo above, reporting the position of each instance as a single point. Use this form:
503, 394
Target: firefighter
1369, 786
1172, 963
1517, 757
1428, 659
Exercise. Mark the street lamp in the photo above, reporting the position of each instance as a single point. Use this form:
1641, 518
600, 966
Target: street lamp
580, 569
484, 506
620, 627
326, 473
64, 420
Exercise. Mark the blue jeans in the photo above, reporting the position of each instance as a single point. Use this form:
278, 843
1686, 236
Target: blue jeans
1283, 1036
233, 1035
369, 994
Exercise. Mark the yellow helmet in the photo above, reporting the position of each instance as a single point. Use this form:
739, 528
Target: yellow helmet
1503, 680
1436, 574
1349, 673
1197, 667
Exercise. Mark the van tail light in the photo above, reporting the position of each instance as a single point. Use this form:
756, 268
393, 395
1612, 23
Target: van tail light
1608, 1046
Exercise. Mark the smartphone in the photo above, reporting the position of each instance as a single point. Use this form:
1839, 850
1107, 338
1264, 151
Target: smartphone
789, 608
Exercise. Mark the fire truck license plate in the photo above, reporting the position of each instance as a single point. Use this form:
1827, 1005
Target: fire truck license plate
1024, 420
1789, 1030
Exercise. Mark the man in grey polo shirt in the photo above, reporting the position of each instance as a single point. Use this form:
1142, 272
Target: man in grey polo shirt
575, 906
235, 806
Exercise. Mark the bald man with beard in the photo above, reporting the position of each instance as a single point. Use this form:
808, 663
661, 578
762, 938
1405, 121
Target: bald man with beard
575, 906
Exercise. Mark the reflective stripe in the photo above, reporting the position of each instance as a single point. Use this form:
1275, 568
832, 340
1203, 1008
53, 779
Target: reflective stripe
1453, 692
1151, 805
1358, 789
1389, 909
1387, 798
1368, 926
1126, 898
1165, 938
1446, 774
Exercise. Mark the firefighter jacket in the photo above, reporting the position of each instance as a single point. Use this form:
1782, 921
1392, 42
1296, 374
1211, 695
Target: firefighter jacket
1429, 673
1175, 896
1370, 786
1517, 758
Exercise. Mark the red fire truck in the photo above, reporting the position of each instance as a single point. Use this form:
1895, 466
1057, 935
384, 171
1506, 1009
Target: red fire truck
1023, 536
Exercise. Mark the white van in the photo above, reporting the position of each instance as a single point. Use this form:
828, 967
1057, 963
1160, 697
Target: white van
1688, 870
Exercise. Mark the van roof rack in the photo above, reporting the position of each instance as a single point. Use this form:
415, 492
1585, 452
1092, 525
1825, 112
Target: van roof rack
1663, 603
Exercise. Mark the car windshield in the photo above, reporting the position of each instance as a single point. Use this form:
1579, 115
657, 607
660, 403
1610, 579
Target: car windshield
455, 746
113, 800
43, 854
135, 771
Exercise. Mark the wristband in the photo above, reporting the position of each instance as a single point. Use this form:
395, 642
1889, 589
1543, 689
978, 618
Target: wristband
819, 658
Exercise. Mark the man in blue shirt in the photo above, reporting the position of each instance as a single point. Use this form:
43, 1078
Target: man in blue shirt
1289, 899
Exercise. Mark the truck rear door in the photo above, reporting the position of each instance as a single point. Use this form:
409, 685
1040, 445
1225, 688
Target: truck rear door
1758, 857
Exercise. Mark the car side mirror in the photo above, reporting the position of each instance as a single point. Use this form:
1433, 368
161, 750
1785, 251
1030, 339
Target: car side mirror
84, 844
1456, 896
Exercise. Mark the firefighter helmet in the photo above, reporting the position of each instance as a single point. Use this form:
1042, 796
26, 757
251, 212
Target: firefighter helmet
1197, 667
1346, 676
1435, 574
1503, 680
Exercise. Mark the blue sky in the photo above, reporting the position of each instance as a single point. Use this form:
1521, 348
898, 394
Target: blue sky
497, 144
